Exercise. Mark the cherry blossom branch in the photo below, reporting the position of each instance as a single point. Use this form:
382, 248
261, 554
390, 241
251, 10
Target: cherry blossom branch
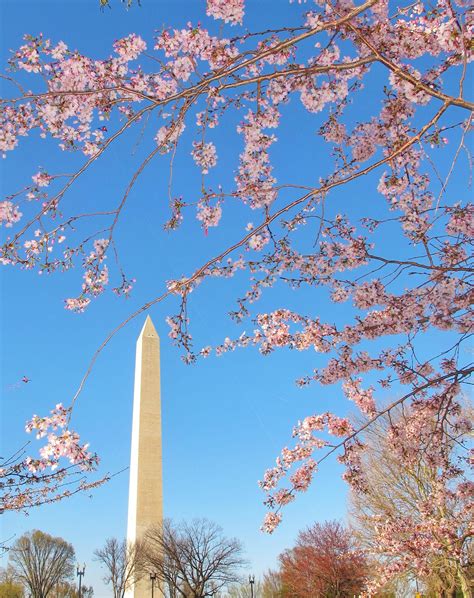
450, 268
181, 286
307, 70
406, 76
458, 375
257, 80
81, 171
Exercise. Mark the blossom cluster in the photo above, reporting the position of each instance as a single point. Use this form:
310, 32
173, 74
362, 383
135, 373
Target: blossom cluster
301, 453
205, 155
230, 11
96, 277
65, 444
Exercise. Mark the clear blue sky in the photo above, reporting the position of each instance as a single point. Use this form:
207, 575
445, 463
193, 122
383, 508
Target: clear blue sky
224, 420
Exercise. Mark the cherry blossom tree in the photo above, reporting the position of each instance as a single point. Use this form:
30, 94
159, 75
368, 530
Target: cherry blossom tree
408, 315
414, 516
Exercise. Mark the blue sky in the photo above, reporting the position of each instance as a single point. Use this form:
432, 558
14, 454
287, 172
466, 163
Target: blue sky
224, 419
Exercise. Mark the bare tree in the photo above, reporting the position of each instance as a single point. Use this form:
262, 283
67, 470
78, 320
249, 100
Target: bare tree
122, 563
69, 590
272, 585
193, 559
41, 562
243, 590
9, 584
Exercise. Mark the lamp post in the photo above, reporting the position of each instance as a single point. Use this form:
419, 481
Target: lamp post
80, 572
251, 582
152, 577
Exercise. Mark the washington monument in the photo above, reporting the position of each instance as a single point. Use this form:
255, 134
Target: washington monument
145, 499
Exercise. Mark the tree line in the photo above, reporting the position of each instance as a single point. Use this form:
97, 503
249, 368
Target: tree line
195, 560
330, 560
190, 560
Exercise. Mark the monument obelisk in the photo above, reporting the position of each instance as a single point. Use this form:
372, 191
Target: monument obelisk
145, 499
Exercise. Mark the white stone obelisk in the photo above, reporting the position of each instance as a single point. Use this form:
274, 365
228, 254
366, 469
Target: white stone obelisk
145, 499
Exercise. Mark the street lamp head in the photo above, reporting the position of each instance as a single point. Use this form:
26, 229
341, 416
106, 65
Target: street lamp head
79, 570
153, 576
251, 582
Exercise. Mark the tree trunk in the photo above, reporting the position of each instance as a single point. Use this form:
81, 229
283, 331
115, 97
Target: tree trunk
465, 589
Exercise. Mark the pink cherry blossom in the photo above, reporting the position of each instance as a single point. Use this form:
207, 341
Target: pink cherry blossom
130, 47
205, 155
9, 213
230, 11
271, 522
41, 179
